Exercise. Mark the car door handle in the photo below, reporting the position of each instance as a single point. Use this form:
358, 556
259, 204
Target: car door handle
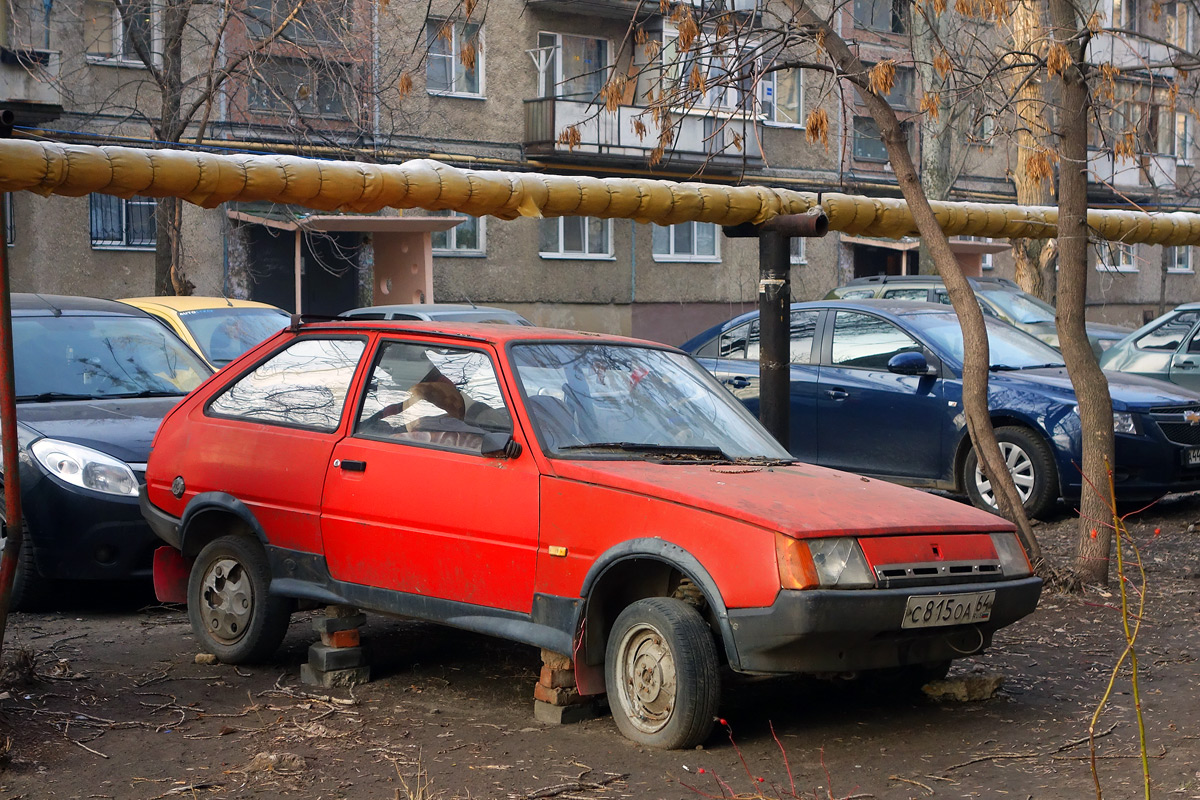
837, 394
737, 382
350, 466
1185, 364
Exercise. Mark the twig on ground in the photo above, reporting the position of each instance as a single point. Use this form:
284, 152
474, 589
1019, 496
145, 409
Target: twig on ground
574, 786
906, 780
85, 747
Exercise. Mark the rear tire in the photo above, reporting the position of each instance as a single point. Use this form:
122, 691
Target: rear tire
661, 672
231, 610
1031, 463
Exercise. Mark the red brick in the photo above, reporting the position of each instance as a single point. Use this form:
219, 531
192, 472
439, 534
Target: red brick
555, 660
557, 697
557, 678
341, 638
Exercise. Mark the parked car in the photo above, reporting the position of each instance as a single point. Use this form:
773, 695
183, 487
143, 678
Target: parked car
596, 496
1167, 348
218, 328
876, 388
442, 312
93, 380
998, 297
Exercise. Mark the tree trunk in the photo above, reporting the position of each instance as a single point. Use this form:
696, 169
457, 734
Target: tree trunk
936, 137
169, 277
962, 297
1091, 387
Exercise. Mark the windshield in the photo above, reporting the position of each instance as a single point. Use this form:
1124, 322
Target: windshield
225, 333
1018, 306
630, 402
1008, 347
92, 357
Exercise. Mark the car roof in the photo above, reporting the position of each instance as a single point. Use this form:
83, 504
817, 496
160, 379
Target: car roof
29, 304
493, 333
876, 280
427, 309
196, 303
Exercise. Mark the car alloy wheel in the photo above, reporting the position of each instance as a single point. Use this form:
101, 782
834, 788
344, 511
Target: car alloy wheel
1020, 466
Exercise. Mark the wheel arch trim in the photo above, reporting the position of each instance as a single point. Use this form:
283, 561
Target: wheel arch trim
223, 502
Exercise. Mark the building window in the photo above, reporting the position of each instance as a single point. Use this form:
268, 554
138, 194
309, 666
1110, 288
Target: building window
1177, 24
687, 241
302, 86
575, 237
783, 97
1185, 140
1181, 259
1125, 14
454, 62
314, 21
464, 239
799, 250
886, 16
571, 67
111, 35
709, 74
1116, 257
120, 224
868, 143
903, 88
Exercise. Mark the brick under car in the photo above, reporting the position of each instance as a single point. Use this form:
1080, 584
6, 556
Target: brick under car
598, 497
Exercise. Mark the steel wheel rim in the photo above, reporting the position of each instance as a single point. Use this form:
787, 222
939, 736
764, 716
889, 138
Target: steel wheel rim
648, 679
226, 600
1020, 466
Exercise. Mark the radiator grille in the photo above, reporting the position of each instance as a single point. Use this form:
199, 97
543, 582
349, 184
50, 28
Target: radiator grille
892, 576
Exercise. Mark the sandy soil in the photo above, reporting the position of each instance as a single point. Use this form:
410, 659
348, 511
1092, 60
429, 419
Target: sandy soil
120, 709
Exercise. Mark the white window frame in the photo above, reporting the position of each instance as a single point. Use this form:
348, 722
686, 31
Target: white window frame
577, 255
672, 256
1184, 140
455, 45
798, 250
769, 87
118, 57
556, 80
125, 203
1126, 261
1175, 269
453, 250
723, 96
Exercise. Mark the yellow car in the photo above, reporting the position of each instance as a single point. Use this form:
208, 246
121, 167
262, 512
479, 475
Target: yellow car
216, 327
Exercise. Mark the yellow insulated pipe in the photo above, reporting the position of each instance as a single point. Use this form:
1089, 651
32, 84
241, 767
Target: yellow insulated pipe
209, 180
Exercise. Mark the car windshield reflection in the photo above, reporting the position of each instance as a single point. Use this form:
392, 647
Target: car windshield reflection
1009, 348
615, 401
225, 333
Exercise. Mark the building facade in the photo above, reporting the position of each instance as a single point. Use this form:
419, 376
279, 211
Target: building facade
557, 86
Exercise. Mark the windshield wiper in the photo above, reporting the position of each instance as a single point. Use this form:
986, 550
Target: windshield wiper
695, 451
1044, 366
149, 393
47, 397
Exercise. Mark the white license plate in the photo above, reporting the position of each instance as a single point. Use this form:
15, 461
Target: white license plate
931, 611
1191, 457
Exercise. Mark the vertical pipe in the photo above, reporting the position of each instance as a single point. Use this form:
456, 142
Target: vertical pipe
774, 331
299, 268
8, 422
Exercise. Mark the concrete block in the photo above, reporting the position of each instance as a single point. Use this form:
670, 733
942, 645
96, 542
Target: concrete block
334, 679
555, 660
563, 715
323, 625
324, 658
557, 678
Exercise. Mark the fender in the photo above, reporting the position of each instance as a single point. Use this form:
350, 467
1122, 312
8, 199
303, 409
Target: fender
218, 501
675, 556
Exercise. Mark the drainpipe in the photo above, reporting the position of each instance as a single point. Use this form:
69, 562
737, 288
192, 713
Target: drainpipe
632, 263
299, 269
8, 419
774, 310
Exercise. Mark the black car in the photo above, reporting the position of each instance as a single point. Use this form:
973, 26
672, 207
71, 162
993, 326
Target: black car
93, 380
876, 388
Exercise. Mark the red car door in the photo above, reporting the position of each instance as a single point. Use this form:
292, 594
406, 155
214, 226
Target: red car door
409, 502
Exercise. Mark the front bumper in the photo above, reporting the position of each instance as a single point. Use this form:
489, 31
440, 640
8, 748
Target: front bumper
830, 630
165, 526
1147, 467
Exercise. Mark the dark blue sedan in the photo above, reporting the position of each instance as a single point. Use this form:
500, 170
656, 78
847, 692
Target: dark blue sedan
876, 388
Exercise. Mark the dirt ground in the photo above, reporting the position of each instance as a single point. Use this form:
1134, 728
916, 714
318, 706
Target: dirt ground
120, 709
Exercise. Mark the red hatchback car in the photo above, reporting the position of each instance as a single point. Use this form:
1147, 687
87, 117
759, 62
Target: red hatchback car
597, 496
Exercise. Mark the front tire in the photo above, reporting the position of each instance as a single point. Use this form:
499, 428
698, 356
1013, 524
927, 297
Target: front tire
231, 610
1030, 462
662, 674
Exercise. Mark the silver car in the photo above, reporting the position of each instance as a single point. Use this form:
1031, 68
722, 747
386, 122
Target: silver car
1167, 348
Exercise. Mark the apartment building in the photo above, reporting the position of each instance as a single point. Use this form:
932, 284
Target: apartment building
558, 86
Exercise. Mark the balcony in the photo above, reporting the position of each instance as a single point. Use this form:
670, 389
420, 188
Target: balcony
699, 140
626, 9
29, 84
1145, 172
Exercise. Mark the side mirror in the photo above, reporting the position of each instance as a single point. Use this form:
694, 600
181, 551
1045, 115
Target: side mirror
500, 445
909, 363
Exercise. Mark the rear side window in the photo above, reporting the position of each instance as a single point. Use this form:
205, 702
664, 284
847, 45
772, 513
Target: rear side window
906, 294
304, 386
1168, 335
858, 294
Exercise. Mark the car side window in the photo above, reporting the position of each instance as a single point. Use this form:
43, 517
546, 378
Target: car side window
868, 342
303, 386
858, 294
804, 326
907, 294
1168, 335
739, 342
439, 396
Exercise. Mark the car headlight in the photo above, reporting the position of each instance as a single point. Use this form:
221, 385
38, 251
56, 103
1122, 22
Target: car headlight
1124, 422
828, 563
1013, 561
85, 467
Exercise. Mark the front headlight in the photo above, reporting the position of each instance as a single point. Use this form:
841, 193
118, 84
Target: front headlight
85, 467
840, 564
1013, 561
1124, 422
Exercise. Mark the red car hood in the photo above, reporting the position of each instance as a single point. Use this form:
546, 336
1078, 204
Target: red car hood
802, 500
